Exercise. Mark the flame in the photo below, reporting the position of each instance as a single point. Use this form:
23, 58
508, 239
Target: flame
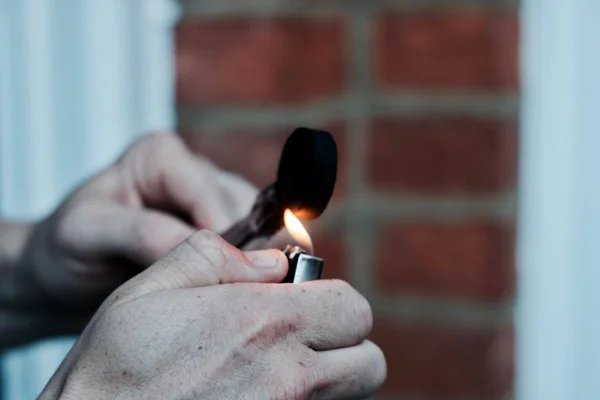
297, 230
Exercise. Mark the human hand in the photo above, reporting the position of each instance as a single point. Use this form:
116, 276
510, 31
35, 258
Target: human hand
123, 220
188, 327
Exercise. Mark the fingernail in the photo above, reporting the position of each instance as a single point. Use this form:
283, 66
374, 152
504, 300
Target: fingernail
265, 258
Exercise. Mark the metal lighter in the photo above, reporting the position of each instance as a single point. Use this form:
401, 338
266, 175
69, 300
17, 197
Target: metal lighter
303, 267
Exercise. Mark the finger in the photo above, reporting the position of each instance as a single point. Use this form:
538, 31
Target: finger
192, 186
283, 238
332, 314
259, 244
351, 373
239, 194
205, 259
280, 240
143, 236
167, 174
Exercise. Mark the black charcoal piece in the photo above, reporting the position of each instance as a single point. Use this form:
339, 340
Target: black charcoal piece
307, 172
305, 181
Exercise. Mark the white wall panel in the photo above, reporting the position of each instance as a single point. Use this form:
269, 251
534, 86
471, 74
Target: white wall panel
558, 323
79, 80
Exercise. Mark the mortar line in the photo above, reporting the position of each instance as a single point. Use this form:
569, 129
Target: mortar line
444, 312
227, 117
404, 208
500, 206
413, 103
358, 227
398, 105
267, 8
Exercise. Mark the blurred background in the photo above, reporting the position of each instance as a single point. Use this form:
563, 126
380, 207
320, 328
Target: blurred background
424, 99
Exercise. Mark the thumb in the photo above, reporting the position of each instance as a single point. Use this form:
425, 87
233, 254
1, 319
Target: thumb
205, 259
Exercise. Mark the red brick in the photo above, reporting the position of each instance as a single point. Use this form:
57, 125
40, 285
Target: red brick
255, 155
463, 259
330, 244
445, 363
260, 61
444, 155
455, 49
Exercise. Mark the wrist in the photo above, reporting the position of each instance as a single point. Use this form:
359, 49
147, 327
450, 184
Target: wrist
13, 240
24, 316
13, 237
68, 384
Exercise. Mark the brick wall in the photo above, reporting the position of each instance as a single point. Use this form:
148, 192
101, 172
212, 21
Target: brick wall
422, 97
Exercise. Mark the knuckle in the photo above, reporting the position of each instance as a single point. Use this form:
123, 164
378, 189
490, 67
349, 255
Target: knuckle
121, 295
62, 230
365, 312
270, 328
205, 238
269, 323
159, 140
343, 287
144, 232
66, 225
376, 369
291, 306
358, 303
263, 333
213, 251
154, 145
294, 381
380, 367
210, 236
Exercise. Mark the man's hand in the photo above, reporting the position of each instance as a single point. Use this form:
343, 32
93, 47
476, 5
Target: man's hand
184, 329
122, 221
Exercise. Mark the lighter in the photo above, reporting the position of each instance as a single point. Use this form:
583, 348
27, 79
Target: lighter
302, 266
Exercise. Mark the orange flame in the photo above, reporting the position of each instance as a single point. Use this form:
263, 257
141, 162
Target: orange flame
297, 230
